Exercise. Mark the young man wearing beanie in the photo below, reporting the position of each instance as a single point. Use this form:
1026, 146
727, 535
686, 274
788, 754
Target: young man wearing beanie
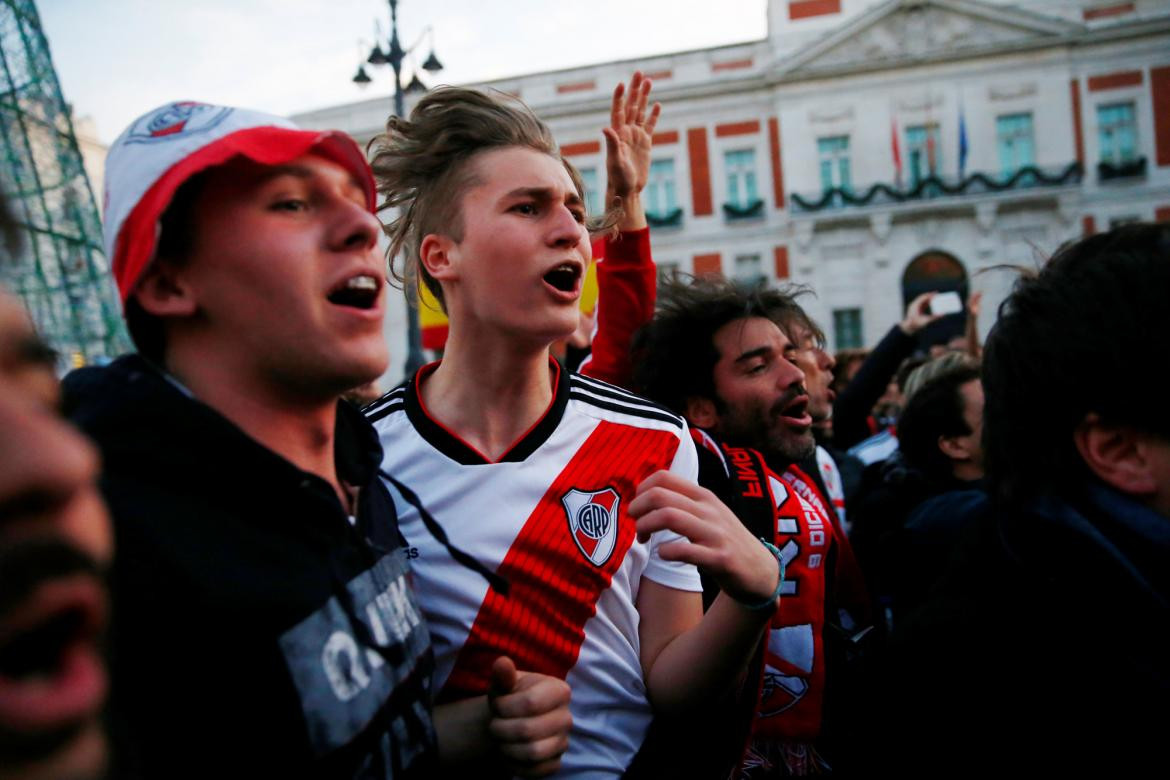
263, 619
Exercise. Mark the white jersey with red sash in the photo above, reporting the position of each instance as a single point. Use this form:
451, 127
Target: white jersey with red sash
550, 516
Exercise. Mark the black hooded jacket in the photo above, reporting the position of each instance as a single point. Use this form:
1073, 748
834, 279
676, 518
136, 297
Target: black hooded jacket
257, 630
1042, 651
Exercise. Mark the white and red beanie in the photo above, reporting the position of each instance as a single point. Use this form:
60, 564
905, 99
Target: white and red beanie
165, 147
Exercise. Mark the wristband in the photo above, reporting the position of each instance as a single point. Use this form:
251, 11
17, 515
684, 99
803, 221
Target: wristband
770, 602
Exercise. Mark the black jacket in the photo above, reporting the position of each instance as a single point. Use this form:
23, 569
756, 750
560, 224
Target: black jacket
1043, 650
255, 631
899, 560
852, 407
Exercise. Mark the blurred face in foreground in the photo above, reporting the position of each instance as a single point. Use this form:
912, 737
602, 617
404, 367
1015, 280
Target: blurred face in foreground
54, 543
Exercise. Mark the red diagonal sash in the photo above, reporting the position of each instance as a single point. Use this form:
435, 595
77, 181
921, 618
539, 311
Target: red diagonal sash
554, 587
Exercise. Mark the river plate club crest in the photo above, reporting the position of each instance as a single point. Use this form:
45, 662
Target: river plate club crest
593, 521
186, 117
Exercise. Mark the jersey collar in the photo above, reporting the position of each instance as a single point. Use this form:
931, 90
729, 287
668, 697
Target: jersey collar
450, 444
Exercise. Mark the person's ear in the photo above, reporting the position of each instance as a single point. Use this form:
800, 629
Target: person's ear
435, 255
954, 447
1118, 454
701, 412
163, 291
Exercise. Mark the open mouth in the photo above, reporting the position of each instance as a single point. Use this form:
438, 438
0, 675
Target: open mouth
358, 292
38, 652
564, 277
795, 411
50, 668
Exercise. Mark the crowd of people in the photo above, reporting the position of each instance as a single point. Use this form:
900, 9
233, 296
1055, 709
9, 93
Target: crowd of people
710, 549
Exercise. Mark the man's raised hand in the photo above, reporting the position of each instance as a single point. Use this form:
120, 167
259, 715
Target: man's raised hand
918, 314
629, 137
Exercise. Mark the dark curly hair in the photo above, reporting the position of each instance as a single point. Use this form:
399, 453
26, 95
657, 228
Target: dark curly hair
1074, 339
675, 355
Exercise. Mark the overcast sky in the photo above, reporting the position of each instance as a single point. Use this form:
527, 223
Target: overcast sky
116, 59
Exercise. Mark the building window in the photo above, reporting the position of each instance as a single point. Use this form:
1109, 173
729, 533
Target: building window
659, 196
847, 328
592, 190
742, 192
1117, 133
922, 152
833, 153
749, 269
1014, 137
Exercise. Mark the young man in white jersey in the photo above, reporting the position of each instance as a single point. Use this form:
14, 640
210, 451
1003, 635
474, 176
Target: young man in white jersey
579, 498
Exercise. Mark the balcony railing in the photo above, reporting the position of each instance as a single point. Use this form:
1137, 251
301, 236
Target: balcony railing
671, 218
1028, 177
753, 210
1108, 171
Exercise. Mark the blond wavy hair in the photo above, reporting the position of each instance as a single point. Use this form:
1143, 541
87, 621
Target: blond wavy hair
422, 167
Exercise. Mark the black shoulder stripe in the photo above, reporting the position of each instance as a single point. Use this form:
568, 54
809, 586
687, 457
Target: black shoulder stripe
589, 381
610, 391
377, 414
394, 395
613, 391
633, 411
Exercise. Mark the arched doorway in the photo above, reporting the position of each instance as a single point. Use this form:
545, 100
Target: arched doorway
935, 270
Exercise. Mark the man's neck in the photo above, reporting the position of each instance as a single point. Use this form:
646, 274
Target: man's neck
301, 430
777, 462
489, 397
966, 472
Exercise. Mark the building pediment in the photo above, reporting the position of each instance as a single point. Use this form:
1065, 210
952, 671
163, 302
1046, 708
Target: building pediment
907, 31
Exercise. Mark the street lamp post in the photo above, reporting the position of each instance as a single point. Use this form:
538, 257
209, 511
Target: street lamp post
394, 55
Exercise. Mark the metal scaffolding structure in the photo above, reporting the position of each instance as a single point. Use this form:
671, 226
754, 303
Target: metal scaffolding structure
62, 274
